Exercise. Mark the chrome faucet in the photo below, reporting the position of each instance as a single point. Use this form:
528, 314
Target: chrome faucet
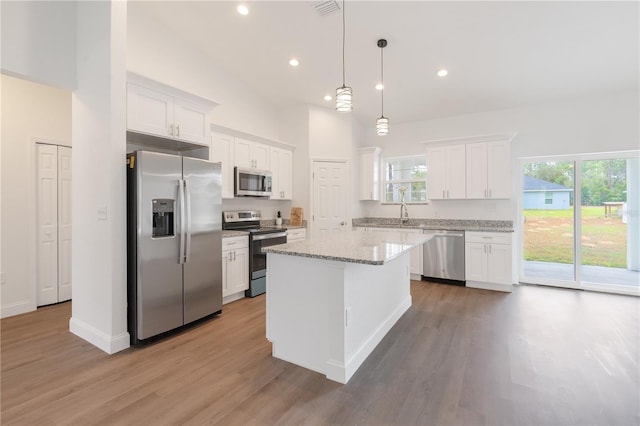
404, 213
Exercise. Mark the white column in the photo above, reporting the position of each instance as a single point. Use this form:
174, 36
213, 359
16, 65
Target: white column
99, 141
633, 214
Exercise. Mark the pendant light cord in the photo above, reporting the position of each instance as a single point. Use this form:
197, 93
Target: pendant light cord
382, 79
343, 42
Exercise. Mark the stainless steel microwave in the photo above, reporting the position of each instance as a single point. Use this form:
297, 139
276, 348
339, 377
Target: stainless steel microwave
252, 182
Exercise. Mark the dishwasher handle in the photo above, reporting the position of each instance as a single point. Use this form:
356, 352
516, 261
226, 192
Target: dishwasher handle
444, 234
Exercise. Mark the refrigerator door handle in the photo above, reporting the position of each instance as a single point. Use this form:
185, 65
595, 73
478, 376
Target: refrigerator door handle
187, 188
182, 221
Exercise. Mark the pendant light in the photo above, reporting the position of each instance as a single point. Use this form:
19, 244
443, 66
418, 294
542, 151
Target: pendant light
382, 123
343, 93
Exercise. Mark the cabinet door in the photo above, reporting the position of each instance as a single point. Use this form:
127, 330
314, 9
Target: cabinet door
260, 156
238, 273
226, 260
499, 263
222, 151
285, 174
190, 122
455, 172
436, 173
149, 111
475, 255
499, 169
477, 170
276, 191
242, 153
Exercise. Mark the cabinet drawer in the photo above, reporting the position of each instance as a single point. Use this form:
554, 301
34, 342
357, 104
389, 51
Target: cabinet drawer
231, 243
488, 237
296, 234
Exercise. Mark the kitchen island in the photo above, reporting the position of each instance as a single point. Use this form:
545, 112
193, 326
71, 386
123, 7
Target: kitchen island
331, 300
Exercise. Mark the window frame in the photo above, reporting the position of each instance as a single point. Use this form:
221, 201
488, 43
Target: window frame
384, 181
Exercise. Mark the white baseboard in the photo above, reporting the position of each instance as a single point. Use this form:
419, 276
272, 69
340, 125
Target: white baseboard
490, 286
233, 297
16, 308
103, 341
342, 373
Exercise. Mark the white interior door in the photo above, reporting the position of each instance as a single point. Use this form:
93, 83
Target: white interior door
330, 197
47, 217
64, 223
53, 257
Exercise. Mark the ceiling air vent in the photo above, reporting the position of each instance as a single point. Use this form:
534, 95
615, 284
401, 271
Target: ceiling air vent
324, 8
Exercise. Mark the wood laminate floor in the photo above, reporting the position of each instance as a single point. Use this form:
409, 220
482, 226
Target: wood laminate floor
538, 356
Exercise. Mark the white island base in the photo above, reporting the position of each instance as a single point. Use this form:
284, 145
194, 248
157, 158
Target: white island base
328, 315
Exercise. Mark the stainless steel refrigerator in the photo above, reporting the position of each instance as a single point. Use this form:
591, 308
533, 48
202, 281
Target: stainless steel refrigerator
174, 242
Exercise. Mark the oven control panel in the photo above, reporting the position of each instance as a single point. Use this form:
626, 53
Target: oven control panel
241, 215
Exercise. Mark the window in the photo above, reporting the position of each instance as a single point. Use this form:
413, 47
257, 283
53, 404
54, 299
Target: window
405, 172
548, 198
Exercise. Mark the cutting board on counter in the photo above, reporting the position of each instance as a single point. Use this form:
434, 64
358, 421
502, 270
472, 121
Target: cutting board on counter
296, 216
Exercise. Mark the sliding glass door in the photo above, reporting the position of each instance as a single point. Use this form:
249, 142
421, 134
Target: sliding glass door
580, 224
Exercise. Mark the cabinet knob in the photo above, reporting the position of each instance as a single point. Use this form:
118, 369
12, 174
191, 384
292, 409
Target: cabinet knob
171, 129
178, 130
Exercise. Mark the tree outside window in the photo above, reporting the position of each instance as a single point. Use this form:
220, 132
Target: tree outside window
409, 172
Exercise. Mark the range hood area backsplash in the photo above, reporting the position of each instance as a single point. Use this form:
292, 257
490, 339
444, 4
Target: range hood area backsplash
267, 207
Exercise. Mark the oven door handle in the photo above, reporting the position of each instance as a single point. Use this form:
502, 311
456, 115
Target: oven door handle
269, 236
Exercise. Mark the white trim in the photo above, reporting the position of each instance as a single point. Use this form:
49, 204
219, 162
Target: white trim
251, 137
17, 308
490, 286
508, 136
152, 84
107, 343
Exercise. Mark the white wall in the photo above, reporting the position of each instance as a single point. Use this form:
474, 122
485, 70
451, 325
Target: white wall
30, 112
39, 41
158, 53
99, 309
602, 124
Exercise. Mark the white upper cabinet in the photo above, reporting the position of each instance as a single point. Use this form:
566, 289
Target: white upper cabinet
370, 173
281, 170
250, 154
489, 170
476, 167
159, 110
446, 175
222, 152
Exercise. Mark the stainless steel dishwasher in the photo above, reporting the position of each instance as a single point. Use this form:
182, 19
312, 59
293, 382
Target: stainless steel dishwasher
443, 256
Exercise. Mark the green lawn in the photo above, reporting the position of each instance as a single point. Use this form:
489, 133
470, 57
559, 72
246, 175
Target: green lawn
548, 237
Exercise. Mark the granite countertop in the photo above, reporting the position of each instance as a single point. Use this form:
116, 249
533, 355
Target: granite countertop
438, 224
234, 233
371, 248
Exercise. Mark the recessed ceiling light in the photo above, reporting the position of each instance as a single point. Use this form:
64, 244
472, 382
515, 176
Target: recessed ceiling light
442, 73
294, 62
243, 10
327, 97
379, 86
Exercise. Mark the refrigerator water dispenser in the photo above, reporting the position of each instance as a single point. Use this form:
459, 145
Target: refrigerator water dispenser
162, 218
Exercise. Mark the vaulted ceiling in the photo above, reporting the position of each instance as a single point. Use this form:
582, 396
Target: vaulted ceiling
498, 54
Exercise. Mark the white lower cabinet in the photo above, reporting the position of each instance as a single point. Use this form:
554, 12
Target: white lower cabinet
488, 260
235, 267
296, 234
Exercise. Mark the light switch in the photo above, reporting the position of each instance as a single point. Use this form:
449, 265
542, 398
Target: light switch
102, 213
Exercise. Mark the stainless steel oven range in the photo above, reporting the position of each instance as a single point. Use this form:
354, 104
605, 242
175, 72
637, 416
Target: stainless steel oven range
259, 237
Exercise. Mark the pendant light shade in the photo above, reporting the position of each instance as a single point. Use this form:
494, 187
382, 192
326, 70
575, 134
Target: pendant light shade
382, 126
382, 123
343, 99
344, 94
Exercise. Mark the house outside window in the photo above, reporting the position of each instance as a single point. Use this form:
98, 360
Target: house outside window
548, 197
405, 172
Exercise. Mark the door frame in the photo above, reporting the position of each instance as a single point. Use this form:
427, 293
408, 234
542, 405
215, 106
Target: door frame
347, 164
577, 218
33, 219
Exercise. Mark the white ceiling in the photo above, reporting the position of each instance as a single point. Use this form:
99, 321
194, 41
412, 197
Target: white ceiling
499, 54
